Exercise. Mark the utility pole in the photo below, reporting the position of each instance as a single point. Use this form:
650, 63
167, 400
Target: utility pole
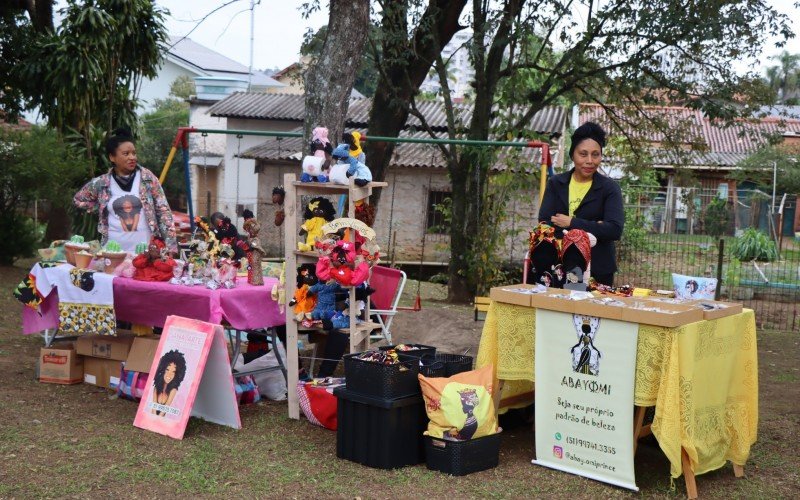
252, 38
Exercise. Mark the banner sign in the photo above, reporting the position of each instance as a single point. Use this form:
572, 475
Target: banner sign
190, 376
345, 223
585, 369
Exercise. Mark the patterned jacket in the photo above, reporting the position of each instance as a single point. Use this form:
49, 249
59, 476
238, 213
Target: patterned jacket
94, 196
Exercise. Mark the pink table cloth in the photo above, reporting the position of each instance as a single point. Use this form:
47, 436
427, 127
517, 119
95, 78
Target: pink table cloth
245, 307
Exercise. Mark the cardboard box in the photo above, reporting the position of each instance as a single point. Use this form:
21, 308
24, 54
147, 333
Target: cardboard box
105, 346
142, 353
60, 365
588, 308
722, 308
510, 294
554, 299
672, 315
101, 372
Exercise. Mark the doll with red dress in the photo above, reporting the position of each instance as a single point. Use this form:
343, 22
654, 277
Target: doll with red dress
155, 264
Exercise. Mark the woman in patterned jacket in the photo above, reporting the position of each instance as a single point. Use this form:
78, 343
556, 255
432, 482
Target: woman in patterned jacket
133, 187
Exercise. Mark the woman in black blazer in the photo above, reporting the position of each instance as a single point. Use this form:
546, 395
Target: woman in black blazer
599, 211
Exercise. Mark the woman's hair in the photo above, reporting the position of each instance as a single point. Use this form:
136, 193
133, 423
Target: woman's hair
693, 285
588, 130
323, 203
116, 138
117, 205
176, 357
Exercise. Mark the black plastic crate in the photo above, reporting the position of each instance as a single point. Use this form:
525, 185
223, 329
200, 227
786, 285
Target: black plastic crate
423, 350
460, 458
455, 363
380, 433
431, 367
381, 381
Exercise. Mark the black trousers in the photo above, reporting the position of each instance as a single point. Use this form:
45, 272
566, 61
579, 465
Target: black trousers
335, 345
604, 279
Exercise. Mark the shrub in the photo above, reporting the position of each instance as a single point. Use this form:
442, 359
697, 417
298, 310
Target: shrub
754, 245
717, 218
20, 237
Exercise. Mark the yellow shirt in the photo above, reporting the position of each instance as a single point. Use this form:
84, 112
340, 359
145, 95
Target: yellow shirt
577, 190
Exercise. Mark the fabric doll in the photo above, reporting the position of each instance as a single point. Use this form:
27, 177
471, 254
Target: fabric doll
154, 264
575, 255
226, 233
544, 254
326, 299
353, 140
317, 164
319, 211
321, 147
361, 172
347, 270
252, 249
303, 301
227, 267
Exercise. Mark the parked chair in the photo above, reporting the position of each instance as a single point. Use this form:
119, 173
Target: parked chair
388, 284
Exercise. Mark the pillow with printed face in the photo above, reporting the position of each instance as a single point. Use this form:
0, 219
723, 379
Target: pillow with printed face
694, 287
460, 407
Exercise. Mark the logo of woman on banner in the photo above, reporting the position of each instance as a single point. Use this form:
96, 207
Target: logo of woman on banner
585, 356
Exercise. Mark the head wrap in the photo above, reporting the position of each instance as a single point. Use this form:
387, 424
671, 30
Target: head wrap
158, 242
588, 130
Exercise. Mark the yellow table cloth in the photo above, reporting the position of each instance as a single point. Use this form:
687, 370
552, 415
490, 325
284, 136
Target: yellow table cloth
701, 377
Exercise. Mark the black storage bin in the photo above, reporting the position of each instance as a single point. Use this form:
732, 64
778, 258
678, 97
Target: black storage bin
431, 367
423, 350
381, 381
455, 363
380, 433
460, 458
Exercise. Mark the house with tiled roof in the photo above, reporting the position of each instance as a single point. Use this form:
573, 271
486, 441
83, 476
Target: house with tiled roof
21, 124
709, 149
251, 166
185, 57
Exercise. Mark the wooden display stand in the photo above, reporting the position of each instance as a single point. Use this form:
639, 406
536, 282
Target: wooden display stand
359, 334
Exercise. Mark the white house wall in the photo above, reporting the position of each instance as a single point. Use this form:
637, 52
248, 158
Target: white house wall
248, 180
406, 216
158, 88
214, 144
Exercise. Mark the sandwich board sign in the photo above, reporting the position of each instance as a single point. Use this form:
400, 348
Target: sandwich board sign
190, 376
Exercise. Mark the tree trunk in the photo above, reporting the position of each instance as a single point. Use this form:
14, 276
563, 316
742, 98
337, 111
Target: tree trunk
470, 174
329, 80
404, 65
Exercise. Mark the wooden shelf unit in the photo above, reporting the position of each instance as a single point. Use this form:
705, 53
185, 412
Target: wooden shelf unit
360, 340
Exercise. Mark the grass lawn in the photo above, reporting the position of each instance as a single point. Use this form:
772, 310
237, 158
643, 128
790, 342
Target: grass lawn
79, 441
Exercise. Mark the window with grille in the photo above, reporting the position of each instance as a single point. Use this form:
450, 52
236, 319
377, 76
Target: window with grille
438, 208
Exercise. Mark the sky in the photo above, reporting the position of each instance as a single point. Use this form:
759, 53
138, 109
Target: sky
280, 26
278, 34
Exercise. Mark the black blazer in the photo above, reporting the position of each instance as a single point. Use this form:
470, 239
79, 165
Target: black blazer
603, 203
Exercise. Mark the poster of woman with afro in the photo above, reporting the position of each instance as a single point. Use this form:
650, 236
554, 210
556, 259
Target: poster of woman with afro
169, 375
190, 377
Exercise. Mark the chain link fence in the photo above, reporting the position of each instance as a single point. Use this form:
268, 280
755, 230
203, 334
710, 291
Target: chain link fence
694, 232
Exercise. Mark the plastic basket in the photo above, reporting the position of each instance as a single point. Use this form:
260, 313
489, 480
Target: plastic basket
423, 350
380, 433
460, 458
381, 381
455, 363
431, 367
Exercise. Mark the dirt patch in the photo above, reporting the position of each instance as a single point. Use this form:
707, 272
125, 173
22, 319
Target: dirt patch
78, 441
